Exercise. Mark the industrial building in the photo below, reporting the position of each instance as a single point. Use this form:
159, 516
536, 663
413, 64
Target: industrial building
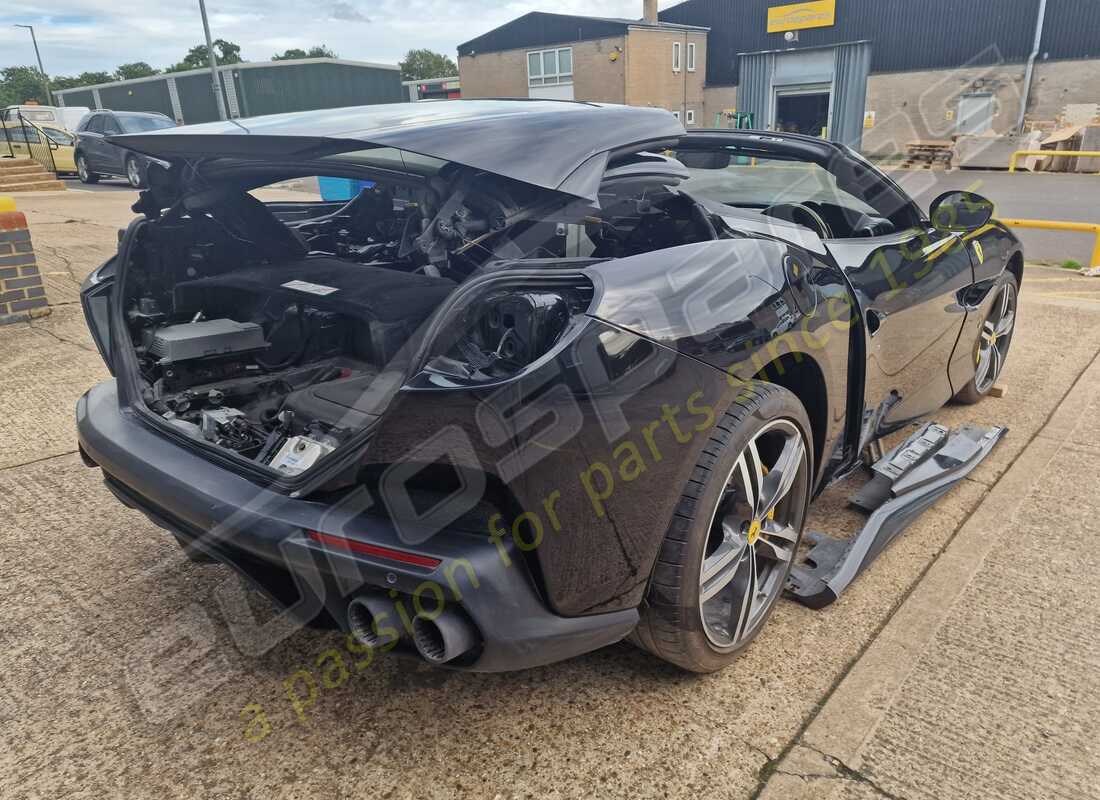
873, 73
249, 89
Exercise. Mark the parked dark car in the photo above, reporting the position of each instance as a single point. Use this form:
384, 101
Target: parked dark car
559, 374
96, 157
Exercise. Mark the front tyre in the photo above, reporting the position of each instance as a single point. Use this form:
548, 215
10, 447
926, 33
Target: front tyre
133, 173
994, 339
86, 175
725, 557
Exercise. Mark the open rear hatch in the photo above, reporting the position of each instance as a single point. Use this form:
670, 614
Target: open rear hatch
274, 341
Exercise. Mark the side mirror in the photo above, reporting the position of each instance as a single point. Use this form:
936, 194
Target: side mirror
960, 211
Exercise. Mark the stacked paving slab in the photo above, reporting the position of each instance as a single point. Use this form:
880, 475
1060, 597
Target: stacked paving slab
26, 175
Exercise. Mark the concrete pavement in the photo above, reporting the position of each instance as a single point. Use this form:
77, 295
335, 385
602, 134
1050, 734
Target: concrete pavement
101, 697
986, 681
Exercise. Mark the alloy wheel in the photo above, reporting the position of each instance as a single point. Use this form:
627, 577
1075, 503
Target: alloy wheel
995, 338
82, 169
133, 174
754, 534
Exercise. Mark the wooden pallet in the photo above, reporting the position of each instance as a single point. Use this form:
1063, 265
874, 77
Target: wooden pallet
927, 154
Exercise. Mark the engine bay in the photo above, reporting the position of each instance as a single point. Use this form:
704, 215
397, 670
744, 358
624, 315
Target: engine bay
266, 330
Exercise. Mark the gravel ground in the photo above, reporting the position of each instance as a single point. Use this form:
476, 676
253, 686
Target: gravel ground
122, 677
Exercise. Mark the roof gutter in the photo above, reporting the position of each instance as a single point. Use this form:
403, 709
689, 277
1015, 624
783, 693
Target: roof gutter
1030, 71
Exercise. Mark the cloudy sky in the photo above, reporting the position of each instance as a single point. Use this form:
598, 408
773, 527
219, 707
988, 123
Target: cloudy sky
79, 35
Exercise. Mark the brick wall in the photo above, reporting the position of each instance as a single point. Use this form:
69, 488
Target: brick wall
22, 294
504, 74
717, 99
650, 80
925, 104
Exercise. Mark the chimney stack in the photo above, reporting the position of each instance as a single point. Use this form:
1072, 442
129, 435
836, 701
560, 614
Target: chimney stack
649, 11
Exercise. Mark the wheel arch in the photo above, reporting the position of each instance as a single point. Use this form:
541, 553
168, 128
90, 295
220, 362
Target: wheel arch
1016, 267
801, 375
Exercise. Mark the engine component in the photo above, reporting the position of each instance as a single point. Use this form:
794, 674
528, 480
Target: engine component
213, 421
171, 344
299, 453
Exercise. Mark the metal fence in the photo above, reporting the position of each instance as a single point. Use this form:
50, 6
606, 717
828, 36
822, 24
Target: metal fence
20, 138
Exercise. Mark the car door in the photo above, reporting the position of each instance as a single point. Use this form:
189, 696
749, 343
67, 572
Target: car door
91, 135
13, 138
903, 273
907, 287
111, 155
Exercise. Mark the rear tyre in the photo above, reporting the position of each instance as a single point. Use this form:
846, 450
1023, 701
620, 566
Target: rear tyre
83, 172
725, 557
994, 339
133, 173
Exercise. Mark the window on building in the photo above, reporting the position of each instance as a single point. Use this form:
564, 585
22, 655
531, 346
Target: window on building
691, 57
550, 67
675, 56
691, 116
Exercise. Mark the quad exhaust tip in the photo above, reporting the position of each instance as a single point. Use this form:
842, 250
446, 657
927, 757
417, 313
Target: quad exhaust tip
444, 638
369, 614
373, 620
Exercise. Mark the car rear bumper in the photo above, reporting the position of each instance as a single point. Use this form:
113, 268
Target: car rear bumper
263, 535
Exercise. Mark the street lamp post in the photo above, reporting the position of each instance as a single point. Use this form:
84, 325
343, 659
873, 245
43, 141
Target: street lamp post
213, 62
41, 71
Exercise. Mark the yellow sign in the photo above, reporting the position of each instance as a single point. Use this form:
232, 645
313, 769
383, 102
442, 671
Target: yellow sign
797, 16
868, 119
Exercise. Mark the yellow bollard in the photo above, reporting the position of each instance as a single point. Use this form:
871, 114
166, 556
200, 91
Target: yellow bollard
1053, 225
7, 203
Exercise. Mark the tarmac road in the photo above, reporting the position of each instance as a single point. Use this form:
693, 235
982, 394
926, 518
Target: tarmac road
122, 675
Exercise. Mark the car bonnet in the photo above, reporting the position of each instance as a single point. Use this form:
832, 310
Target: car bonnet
551, 144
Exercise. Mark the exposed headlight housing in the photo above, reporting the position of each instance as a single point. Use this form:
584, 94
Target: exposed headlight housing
501, 327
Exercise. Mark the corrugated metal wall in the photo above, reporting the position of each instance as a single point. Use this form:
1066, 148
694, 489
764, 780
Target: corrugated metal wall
930, 34
196, 98
80, 98
259, 90
308, 86
143, 96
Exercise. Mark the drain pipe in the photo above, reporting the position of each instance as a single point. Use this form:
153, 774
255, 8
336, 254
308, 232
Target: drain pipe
1030, 71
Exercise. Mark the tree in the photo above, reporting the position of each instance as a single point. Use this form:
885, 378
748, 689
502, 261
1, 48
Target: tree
422, 64
20, 84
135, 69
83, 79
226, 52
317, 51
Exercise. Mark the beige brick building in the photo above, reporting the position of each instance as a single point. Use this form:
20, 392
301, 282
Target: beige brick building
637, 62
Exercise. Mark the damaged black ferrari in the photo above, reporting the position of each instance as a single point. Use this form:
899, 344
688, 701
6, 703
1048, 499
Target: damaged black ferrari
549, 375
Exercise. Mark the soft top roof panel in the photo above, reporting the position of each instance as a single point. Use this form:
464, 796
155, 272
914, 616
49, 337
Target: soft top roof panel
540, 142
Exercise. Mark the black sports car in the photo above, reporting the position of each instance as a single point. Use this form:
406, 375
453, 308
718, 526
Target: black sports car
556, 375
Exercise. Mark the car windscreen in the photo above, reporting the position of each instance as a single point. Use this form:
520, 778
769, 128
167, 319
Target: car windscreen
135, 124
724, 176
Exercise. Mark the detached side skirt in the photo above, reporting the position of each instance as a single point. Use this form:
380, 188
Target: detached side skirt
907, 480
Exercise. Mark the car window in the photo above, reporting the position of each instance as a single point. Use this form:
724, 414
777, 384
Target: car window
63, 138
94, 124
753, 182
136, 124
110, 126
23, 133
852, 201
